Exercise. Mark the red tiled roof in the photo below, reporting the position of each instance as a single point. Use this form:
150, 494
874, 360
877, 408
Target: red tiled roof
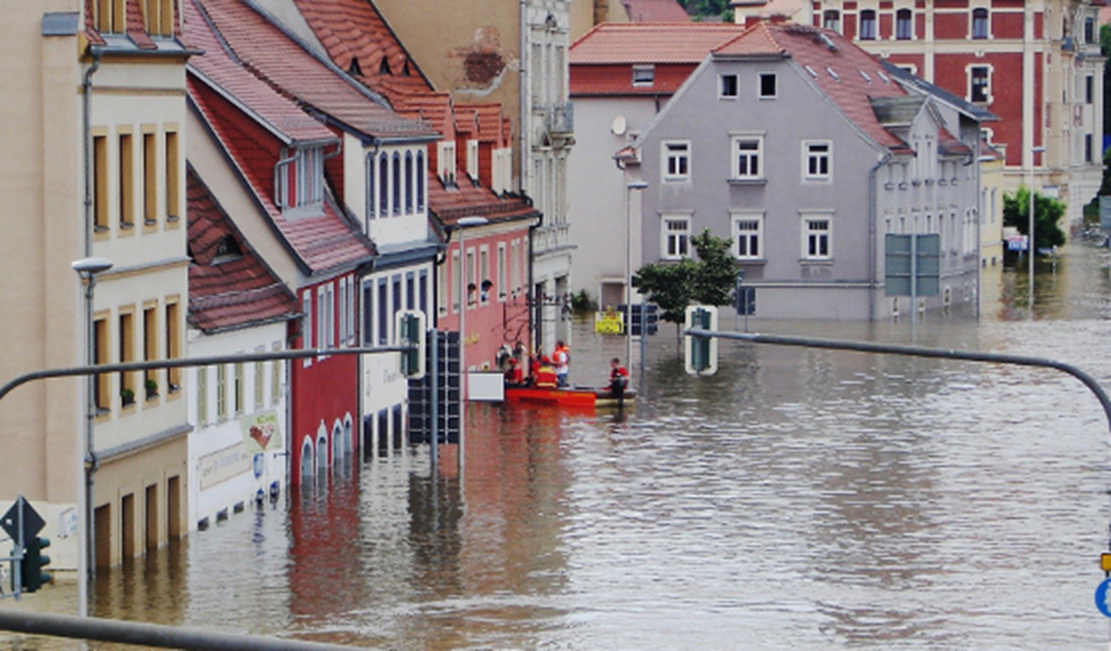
659, 43
217, 69
655, 11
283, 63
321, 242
238, 290
845, 73
354, 31
468, 200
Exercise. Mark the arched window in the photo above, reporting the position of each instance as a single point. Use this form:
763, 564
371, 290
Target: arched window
904, 27
868, 25
371, 179
307, 463
396, 183
383, 185
408, 183
420, 180
980, 23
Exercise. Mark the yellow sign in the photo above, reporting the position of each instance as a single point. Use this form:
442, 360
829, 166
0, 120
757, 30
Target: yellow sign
609, 323
1105, 561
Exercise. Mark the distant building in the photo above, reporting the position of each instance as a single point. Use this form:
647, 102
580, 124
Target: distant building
805, 152
1037, 66
280, 173
514, 53
621, 77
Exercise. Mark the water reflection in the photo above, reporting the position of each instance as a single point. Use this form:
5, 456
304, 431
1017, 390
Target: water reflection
797, 499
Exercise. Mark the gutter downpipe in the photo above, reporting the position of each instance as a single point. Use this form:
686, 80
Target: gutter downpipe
86, 551
872, 244
533, 326
524, 110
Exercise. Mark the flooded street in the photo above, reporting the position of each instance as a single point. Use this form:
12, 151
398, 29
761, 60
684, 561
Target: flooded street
799, 499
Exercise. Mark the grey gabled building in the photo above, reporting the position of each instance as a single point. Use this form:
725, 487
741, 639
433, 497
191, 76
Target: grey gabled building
806, 151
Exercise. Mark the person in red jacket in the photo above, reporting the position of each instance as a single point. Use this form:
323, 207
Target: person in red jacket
546, 375
619, 379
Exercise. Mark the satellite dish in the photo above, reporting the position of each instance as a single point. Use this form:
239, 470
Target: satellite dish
619, 125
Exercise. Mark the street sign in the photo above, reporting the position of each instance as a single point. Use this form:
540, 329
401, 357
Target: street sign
923, 262
22, 516
1016, 243
1101, 598
745, 300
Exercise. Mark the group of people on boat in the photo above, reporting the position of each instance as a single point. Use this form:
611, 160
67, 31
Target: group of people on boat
551, 371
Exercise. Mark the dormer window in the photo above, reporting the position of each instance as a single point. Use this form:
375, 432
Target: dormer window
644, 75
472, 159
300, 178
445, 164
158, 16
228, 249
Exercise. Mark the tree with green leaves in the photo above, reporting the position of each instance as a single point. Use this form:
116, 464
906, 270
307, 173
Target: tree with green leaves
675, 285
1047, 214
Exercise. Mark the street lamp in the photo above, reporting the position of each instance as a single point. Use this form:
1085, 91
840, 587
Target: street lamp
88, 268
1031, 250
463, 224
629, 187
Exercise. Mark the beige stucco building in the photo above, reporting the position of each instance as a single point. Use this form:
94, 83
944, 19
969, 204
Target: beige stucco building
99, 97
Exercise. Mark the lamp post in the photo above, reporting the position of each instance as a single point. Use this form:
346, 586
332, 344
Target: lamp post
462, 224
88, 268
1031, 250
629, 187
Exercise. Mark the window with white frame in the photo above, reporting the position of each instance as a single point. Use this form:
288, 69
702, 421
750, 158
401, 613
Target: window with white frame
420, 180
383, 185
980, 24
676, 161
868, 25
307, 340
409, 183
501, 271
675, 237
371, 185
472, 159
979, 84
342, 310
300, 178
441, 293
748, 151
904, 24
644, 75
456, 280
817, 155
816, 233
445, 163
748, 236
483, 278
728, 87
768, 85
831, 20
515, 265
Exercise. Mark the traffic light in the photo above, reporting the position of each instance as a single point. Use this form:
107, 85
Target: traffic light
411, 332
701, 353
31, 569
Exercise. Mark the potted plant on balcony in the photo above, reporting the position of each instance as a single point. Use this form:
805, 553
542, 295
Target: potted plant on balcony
127, 396
152, 389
